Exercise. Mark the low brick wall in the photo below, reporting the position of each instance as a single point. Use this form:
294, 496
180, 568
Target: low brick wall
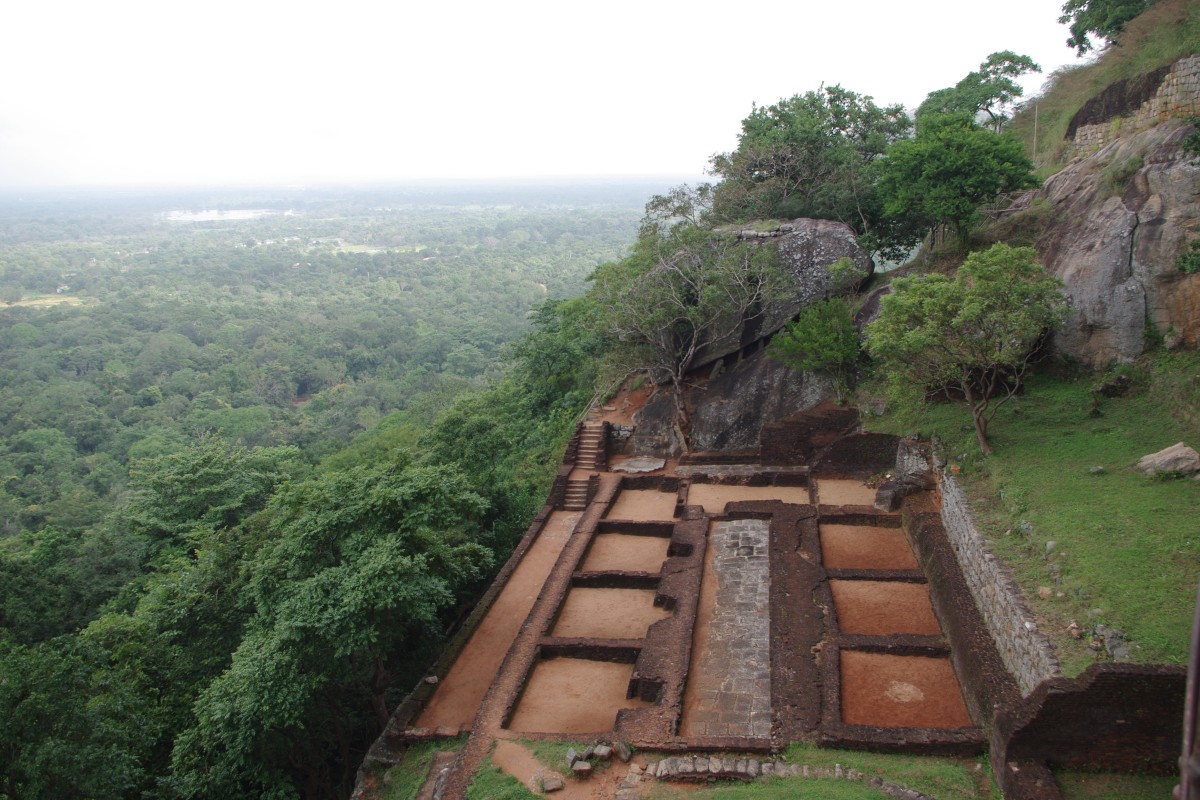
1113, 717
1025, 652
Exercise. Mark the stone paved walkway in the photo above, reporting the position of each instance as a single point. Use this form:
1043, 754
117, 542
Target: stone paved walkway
732, 670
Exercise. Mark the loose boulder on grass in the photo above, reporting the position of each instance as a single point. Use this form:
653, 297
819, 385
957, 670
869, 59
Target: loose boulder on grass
1178, 459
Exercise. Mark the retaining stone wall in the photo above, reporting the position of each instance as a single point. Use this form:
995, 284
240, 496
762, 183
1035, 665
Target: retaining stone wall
1026, 653
1177, 96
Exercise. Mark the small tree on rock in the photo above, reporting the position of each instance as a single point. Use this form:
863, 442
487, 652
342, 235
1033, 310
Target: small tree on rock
823, 339
974, 334
680, 291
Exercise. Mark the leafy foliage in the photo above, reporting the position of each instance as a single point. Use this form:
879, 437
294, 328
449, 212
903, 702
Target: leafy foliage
680, 293
1104, 19
1188, 262
811, 155
974, 334
203, 591
822, 338
988, 90
951, 167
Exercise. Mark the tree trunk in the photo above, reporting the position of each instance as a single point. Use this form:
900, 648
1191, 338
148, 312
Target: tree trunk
978, 418
682, 422
379, 684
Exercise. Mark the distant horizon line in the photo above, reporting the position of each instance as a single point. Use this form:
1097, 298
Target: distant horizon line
305, 186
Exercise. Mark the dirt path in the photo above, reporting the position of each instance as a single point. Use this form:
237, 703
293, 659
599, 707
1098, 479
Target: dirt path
457, 698
701, 634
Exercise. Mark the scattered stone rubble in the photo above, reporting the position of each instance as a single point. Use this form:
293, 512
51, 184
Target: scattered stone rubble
704, 768
710, 767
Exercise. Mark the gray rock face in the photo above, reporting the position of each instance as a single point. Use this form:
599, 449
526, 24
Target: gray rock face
730, 412
1116, 254
805, 252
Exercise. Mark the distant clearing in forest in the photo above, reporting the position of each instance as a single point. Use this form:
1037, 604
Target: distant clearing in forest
48, 300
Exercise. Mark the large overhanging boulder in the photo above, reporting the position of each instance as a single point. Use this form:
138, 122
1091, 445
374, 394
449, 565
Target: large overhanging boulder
806, 249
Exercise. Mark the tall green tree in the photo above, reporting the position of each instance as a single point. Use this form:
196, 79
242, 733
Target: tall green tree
361, 564
973, 335
991, 90
951, 168
810, 155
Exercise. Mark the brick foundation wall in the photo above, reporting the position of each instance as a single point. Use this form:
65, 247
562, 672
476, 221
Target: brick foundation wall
1113, 717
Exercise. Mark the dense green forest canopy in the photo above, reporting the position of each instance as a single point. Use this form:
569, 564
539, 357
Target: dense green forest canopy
257, 453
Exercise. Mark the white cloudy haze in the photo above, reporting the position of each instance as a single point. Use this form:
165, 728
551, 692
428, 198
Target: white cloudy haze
254, 92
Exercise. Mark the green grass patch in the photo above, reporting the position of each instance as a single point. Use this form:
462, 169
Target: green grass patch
492, 783
403, 780
937, 777
1127, 547
770, 789
1110, 786
553, 753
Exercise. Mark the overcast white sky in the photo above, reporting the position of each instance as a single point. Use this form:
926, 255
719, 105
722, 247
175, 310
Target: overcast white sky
127, 92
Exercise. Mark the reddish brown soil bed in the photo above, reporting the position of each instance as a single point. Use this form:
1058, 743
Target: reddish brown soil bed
643, 505
571, 695
900, 691
623, 552
883, 607
714, 496
835, 492
457, 698
608, 613
863, 547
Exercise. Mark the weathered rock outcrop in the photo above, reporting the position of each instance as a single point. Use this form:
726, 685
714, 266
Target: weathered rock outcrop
806, 249
729, 412
1116, 252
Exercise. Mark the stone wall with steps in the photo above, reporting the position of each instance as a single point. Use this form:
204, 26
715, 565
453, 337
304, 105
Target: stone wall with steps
1177, 96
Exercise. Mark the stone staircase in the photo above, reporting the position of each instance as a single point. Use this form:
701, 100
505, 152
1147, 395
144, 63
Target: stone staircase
576, 497
592, 454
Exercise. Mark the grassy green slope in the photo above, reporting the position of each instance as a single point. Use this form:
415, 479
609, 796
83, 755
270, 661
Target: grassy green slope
1126, 550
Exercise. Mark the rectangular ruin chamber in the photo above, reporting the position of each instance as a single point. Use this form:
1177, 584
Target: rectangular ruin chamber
838, 492
715, 496
890, 691
643, 504
626, 552
607, 613
865, 547
883, 608
573, 696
